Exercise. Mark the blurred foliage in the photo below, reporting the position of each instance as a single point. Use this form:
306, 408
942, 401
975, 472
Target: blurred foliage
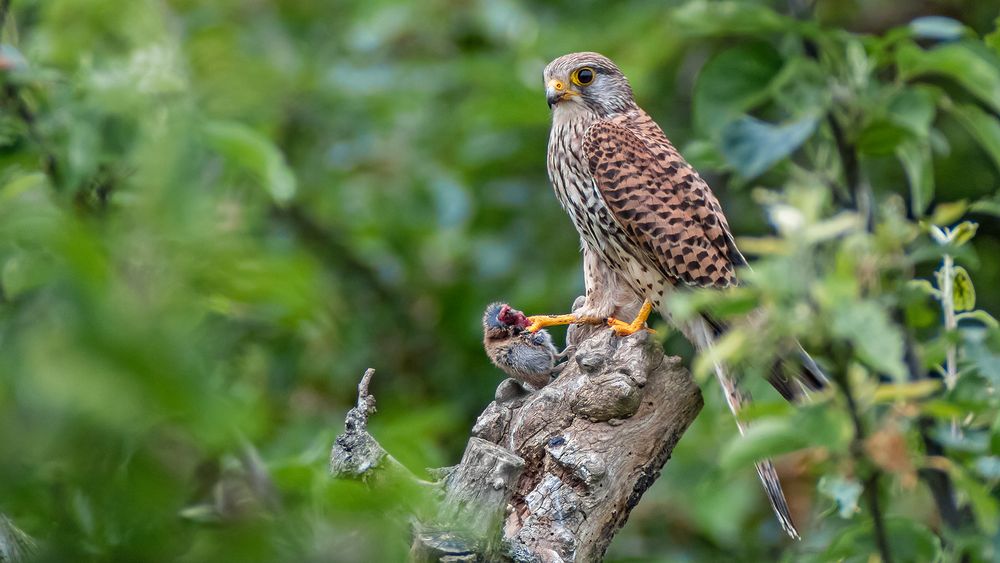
215, 214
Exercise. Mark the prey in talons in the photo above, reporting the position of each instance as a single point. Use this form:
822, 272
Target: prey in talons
529, 357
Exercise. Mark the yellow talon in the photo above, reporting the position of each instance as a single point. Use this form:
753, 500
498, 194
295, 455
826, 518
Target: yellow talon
622, 328
539, 322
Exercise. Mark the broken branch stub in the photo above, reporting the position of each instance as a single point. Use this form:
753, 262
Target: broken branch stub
355, 452
357, 455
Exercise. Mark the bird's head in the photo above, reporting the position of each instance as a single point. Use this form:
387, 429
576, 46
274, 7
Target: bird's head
501, 319
588, 81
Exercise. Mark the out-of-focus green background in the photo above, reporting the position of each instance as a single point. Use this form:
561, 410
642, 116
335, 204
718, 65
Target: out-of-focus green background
215, 214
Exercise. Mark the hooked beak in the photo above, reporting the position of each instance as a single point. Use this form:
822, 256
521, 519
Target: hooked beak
556, 91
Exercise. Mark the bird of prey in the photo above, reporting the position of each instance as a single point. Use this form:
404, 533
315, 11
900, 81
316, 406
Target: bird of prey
648, 223
529, 357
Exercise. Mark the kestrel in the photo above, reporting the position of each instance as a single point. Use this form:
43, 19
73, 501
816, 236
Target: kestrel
648, 223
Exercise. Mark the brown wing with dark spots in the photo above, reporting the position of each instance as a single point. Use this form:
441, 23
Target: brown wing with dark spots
662, 203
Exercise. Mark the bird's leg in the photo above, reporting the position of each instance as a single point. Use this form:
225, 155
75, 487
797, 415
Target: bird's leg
622, 328
539, 322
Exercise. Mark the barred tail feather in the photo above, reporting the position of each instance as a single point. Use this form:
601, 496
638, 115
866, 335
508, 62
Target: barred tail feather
772, 487
702, 336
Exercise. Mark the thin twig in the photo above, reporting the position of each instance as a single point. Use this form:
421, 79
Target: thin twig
881, 538
4, 10
859, 189
12, 96
366, 401
947, 284
937, 480
950, 323
871, 484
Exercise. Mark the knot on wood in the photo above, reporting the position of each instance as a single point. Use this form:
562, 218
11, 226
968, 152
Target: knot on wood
616, 375
607, 396
591, 362
585, 466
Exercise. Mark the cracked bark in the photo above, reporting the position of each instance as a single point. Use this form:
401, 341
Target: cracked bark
551, 475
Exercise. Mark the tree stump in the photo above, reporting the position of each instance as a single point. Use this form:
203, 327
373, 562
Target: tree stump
552, 475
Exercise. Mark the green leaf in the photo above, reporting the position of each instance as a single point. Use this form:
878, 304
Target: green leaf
703, 18
254, 152
984, 128
942, 409
963, 232
844, 491
963, 292
915, 157
732, 303
989, 206
984, 506
769, 437
938, 27
836, 226
21, 183
882, 137
703, 154
877, 342
914, 109
981, 316
765, 438
948, 212
201, 514
988, 467
732, 344
732, 82
970, 442
752, 146
924, 286
23, 272
992, 39
908, 541
957, 61
982, 353
908, 391
801, 87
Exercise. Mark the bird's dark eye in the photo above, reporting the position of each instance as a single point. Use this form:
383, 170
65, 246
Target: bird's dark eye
582, 76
